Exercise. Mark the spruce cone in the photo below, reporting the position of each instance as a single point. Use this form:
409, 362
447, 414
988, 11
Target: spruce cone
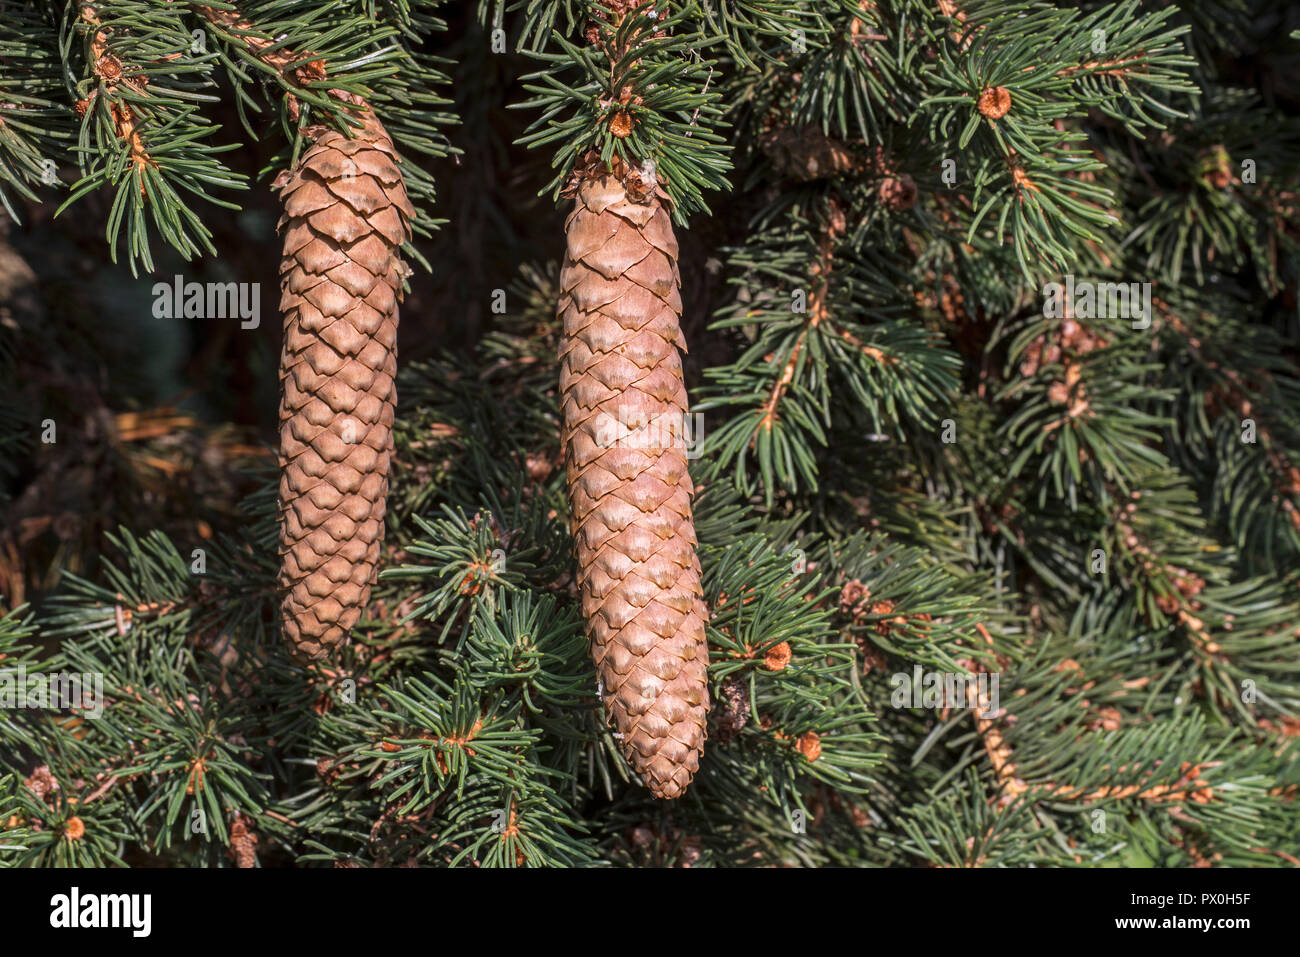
629, 490
346, 215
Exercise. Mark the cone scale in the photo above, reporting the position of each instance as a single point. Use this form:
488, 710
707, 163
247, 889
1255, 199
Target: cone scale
346, 215
625, 403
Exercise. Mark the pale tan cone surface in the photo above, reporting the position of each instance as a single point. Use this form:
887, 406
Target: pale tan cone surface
638, 570
346, 214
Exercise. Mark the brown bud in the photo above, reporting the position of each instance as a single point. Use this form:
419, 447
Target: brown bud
620, 124
852, 593
310, 72
109, 67
898, 192
42, 782
733, 714
995, 102
538, 466
883, 608
810, 745
777, 657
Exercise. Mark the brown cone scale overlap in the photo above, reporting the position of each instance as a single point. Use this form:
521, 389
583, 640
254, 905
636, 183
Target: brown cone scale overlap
346, 215
629, 490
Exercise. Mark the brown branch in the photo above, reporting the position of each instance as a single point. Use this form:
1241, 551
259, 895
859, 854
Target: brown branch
110, 69
833, 226
1104, 67
1189, 786
304, 68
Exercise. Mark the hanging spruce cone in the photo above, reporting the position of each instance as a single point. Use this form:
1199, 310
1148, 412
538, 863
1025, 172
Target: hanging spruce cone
346, 215
628, 486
